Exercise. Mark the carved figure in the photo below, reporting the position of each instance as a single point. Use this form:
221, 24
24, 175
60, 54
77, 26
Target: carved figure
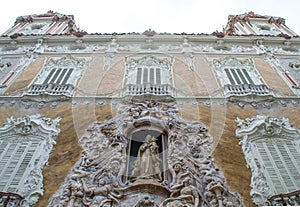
147, 164
188, 195
178, 173
100, 194
146, 203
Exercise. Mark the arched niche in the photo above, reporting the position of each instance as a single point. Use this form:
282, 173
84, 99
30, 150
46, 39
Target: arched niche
136, 135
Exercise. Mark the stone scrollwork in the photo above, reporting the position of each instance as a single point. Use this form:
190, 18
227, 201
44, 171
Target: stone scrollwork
180, 173
29, 140
266, 140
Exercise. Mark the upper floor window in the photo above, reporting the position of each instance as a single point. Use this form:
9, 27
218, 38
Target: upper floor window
58, 77
25, 145
271, 147
10, 68
239, 77
148, 75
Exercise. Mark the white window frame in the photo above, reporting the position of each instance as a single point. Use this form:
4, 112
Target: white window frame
25, 146
242, 69
67, 64
147, 63
272, 150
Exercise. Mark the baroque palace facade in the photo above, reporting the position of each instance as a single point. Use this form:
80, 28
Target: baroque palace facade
149, 119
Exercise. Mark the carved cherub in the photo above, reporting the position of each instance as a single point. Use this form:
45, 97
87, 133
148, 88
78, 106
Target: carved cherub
186, 193
178, 173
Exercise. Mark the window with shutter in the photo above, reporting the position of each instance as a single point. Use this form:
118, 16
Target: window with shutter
23, 154
58, 77
274, 144
148, 75
240, 78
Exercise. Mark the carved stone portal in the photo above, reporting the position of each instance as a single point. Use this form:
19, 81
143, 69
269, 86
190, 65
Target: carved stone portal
146, 156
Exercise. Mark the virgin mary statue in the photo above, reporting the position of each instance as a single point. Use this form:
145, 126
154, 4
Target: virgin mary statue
147, 163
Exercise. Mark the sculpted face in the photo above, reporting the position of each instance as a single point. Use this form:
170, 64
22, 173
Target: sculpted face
177, 167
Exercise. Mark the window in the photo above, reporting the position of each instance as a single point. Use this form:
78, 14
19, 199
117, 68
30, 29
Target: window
25, 145
148, 75
10, 68
271, 148
58, 77
239, 78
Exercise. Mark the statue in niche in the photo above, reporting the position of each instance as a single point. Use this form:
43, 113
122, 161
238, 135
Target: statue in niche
147, 163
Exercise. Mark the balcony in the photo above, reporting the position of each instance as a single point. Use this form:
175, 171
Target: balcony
287, 199
10, 199
148, 90
247, 92
49, 91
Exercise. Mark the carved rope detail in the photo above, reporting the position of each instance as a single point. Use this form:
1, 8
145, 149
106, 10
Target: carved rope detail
25, 145
103, 175
271, 149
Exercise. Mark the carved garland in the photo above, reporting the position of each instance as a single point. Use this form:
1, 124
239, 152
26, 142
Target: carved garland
26, 144
99, 178
271, 135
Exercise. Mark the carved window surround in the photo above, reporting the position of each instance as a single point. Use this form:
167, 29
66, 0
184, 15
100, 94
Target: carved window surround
148, 76
271, 148
240, 80
25, 145
58, 78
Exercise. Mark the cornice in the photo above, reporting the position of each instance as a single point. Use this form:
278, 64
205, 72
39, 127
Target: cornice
159, 38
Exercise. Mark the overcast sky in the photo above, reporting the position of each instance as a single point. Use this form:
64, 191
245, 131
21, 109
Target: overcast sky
173, 16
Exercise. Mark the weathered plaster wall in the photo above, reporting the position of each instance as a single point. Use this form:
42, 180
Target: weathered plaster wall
26, 77
273, 80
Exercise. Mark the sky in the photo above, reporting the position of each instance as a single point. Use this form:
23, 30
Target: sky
171, 16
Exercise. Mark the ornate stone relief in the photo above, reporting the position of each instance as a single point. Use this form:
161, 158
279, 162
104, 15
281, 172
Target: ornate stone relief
171, 164
25, 145
260, 138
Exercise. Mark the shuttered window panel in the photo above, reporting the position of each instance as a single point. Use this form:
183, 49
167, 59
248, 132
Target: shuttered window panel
158, 76
236, 78
229, 76
61, 76
54, 77
152, 77
145, 75
68, 75
49, 76
15, 160
247, 76
241, 75
139, 76
280, 163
